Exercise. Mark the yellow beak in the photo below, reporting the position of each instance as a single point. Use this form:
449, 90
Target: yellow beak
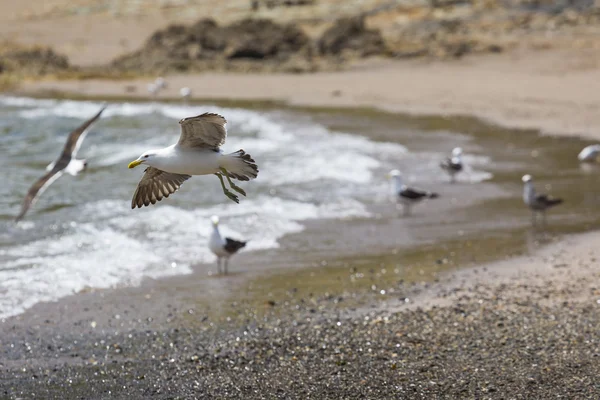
134, 164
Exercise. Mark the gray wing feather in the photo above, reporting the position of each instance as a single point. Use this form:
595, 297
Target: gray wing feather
37, 189
155, 185
206, 131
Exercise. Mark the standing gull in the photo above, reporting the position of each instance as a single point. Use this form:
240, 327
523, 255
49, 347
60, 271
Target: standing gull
185, 93
589, 153
538, 203
406, 195
453, 165
196, 153
65, 163
222, 247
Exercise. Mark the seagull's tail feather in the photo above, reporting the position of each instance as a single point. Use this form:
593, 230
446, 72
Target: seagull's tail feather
240, 166
551, 202
232, 246
432, 195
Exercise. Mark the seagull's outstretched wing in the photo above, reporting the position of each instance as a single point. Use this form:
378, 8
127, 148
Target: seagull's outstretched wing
75, 139
37, 189
206, 131
155, 185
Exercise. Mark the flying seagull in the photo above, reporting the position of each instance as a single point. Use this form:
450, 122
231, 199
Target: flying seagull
223, 248
406, 195
453, 165
589, 153
65, 163
196, 153
538, 203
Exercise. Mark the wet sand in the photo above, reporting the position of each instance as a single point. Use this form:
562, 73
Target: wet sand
523, 328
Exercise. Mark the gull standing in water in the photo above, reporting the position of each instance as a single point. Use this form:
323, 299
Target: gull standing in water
65, 163
453, 165
538, 203
223, 248
196, 153
405, 195
589, 153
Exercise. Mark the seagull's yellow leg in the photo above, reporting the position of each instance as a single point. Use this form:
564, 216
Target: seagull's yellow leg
233, 185
231, 196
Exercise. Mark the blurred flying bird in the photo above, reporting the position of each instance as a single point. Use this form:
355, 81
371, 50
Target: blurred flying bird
65, 163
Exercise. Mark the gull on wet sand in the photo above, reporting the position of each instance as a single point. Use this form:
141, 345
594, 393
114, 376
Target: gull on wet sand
223, 248
537, 203
196, 153
453, 165
405, 195
65, 163
589, 153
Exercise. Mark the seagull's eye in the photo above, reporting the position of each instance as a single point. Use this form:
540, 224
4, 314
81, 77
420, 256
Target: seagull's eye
146, 156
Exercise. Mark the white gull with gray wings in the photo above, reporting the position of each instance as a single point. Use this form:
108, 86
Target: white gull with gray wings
65, 163
453, 165
223, 248
408, 196
537, 203
198, 152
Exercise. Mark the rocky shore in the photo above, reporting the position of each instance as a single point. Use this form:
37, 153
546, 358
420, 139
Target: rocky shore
263, 40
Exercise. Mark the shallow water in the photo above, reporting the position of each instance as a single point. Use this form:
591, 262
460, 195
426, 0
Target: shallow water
321, 195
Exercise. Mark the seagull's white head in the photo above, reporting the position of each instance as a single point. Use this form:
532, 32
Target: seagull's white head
215, 220
145, 158
457, 152
394, 174
526, 178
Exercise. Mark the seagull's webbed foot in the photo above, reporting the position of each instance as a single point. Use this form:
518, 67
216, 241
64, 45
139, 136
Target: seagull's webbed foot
228, 193
233, 185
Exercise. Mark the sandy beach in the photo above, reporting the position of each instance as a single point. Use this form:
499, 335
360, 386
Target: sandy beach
520, 328
554, 91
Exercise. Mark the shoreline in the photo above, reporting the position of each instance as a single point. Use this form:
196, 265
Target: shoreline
554, 91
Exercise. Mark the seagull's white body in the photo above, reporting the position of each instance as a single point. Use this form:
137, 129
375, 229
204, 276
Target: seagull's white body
182, 160
216, 243
74, 167
589, 153
397, 187
222, 247
529, 193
